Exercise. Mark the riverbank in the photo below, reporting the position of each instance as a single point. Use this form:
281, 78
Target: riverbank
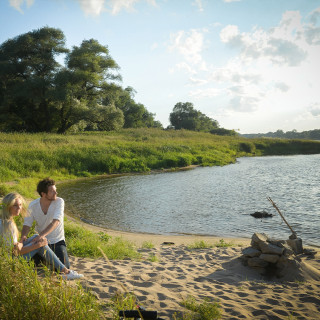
169, 271
26, 158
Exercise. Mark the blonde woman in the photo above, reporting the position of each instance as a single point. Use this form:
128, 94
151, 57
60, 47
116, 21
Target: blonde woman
13, 205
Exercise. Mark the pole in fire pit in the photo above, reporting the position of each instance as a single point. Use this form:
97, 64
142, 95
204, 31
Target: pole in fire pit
294, 242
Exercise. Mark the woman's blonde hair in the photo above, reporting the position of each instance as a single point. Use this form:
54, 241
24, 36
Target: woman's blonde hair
8, 224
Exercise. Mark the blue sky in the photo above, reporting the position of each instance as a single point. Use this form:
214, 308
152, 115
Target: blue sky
252, 65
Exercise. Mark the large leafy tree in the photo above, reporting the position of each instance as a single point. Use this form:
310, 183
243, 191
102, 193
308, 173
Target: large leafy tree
27, 69
184, 116
86, 88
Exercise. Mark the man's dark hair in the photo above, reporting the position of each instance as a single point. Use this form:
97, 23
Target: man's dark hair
44, 184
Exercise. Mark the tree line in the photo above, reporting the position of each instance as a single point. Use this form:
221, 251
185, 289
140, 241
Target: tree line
38, 94
294, 134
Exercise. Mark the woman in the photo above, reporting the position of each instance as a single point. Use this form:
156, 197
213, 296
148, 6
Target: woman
13, 204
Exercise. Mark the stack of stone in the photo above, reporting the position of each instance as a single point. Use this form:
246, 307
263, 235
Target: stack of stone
267, 255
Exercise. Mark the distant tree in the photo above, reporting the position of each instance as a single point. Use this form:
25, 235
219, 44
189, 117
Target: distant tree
223, 132
135, 114
184, 116
312, 134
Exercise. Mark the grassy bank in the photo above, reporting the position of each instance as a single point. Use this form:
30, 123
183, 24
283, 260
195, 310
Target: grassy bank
25, 158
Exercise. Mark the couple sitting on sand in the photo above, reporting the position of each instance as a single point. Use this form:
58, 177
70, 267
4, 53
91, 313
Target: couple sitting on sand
48, 213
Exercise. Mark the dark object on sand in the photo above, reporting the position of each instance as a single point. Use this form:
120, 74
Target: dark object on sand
137, 314
262, 214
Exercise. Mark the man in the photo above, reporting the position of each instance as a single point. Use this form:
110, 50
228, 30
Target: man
48, 212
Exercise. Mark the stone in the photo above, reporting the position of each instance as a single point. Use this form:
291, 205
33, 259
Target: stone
271, 258
278, 243
261, 214
287, 250
270, 248
260, 270
244, 260
257, 263
259, 237
282, 262
296, 245
251, 252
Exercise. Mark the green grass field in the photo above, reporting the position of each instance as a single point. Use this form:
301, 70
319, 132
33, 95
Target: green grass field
26, 158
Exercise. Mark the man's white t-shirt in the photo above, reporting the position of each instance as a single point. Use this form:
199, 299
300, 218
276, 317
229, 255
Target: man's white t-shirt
55, 211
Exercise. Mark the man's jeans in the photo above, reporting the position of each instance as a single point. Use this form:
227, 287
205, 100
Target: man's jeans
44, 252
60, 249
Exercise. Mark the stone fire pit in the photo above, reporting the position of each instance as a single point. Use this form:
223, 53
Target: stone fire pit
272, 257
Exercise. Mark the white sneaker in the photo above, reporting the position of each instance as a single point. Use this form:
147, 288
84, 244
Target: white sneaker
72, 275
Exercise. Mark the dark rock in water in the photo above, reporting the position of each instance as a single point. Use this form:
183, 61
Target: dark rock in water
262, 214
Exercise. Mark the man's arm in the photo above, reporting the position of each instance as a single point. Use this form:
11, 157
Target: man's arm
51, 226
24, 233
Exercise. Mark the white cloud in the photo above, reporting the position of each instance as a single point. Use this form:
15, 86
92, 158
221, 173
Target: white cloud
314, 109
228, 1
128, 5
17, 4
197, 81
96, 7
312, 32
282, 44
190, 46
92, 7
118, 5
241, 103
282, 86
185, 66
198, 3
206, 93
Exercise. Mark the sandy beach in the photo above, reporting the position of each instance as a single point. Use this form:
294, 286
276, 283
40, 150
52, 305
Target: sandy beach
215, 273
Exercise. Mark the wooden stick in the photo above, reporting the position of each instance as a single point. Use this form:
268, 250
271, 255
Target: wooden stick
282, 216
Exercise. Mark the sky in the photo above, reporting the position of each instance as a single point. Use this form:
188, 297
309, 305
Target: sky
252, 65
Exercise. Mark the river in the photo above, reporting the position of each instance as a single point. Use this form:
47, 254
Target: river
213, 201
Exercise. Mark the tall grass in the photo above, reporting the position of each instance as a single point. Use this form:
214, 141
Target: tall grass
26, 295
25, 158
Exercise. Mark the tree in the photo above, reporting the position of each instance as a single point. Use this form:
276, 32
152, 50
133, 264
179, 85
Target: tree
184, 116
135, 114
28, 67
83, 91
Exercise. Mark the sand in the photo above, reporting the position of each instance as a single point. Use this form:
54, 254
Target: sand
215, 273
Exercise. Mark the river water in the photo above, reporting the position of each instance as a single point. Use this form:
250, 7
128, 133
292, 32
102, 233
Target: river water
207, 200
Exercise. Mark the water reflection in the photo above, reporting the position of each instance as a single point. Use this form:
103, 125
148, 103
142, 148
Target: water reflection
212, 201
